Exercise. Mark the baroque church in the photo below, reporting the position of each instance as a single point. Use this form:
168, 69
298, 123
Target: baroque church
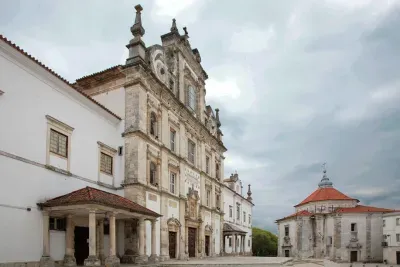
125, 165
331, 225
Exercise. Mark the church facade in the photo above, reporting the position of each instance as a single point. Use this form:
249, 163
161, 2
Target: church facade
330, 225
124, 165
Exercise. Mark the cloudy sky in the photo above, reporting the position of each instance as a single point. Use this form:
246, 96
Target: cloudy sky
298, 83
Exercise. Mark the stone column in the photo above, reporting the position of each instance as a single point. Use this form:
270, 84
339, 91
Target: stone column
201, 242
142, 258
69, 258
92, 260
46, 260
101, 241
153, 257
112, 260
222, 252
233, 244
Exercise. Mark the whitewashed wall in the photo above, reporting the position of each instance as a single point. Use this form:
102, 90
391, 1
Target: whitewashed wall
153, 203
31, 93
114, 100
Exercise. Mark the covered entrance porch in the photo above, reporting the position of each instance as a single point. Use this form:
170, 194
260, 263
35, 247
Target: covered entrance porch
87, 212
236, 238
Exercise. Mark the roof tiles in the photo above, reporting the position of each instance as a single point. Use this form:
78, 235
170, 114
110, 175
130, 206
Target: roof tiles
328, 193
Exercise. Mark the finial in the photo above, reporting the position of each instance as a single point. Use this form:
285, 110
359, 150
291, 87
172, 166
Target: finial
137, 28
173, 27
217, 117
325, 180
249, 198
185, 30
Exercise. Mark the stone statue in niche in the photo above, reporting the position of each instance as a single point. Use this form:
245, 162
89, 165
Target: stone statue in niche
170, 60
192, 199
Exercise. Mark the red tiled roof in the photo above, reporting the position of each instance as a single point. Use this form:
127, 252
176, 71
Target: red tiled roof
3, 38
299, 213
100, 72
90, 195
328, 193
362, 209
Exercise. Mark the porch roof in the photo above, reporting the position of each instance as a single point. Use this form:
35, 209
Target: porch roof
90, 195
229, 228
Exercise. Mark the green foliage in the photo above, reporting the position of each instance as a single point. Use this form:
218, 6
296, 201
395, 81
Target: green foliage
264, 243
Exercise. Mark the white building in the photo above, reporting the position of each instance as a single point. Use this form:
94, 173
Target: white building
391, 237
238, 217
129, 158
329, 224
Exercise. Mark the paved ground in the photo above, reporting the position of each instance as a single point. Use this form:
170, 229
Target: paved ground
230, 261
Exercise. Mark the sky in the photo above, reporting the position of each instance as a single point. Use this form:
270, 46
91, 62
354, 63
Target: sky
298, 83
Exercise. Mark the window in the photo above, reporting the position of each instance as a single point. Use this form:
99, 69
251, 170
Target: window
153, 124
106, 229
208, 195
286, 230
58, 224
238, 211
106, 163
217, 200
172, 181
153, 173
384, 223
249, 219
191, 151
230, 211
397, 237
192, 98
248, 242
230, 241
353, 227
172, 137
207, 165
58, 143
217, 170
244, 216
397, 221
329, 240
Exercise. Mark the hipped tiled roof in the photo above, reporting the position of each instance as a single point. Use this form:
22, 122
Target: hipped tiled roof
232, 228
362, 209
328, 193
90, 195
3, 38
299, 213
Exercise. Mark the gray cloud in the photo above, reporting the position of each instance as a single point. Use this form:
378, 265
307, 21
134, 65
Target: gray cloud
324, 88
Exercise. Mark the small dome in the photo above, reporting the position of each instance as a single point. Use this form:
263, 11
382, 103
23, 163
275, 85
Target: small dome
325, 181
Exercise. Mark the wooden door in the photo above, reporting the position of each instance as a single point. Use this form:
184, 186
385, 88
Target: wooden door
398, 257
287, 253
192, 241
353, 256
172, 245
81, 244
207, 245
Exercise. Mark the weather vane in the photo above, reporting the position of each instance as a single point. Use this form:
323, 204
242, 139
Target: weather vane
324, 167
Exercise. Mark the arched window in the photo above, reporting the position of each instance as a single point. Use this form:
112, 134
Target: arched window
153, 124
153, 173
192, 98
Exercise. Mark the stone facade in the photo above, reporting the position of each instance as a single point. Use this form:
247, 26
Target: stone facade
391, 238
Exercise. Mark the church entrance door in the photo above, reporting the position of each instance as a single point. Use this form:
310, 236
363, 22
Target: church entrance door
192, 242
207, 245
353, 256
172, 245
398, 257
287, 253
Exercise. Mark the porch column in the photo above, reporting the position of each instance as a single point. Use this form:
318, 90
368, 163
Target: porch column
233, 244
223, 244
101, 241
92, 260
46, 260
112, 259
69, 258
153, 256
142, 258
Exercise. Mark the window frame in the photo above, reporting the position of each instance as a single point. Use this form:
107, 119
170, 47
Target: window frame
172, 139
244, 216
111, 152
397, 221
217, 170
287, 230
155, 182
153, 131
398, 238
57, 153
54, 226
62, 128
353, 229
112, 163
230, 211
172, 182
191, 154
192, 98
208, 197
207, 164
237, 211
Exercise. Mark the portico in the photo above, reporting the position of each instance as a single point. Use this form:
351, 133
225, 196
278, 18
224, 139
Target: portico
91, 208
238, 239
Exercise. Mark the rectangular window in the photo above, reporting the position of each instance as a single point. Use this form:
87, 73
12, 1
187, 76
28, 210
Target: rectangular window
353, 227
58, 224
172, 181
398, 237
230, 241
191, 151
172, 137
58, 143
106, 163
286, 230
217, 200
249, 219
397, 221
230, 211
244, 216
207, 165
384, 223
248, 241
208, 198
329, 240
238, 211
217, 170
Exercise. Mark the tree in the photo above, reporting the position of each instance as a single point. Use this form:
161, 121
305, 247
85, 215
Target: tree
264, 243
